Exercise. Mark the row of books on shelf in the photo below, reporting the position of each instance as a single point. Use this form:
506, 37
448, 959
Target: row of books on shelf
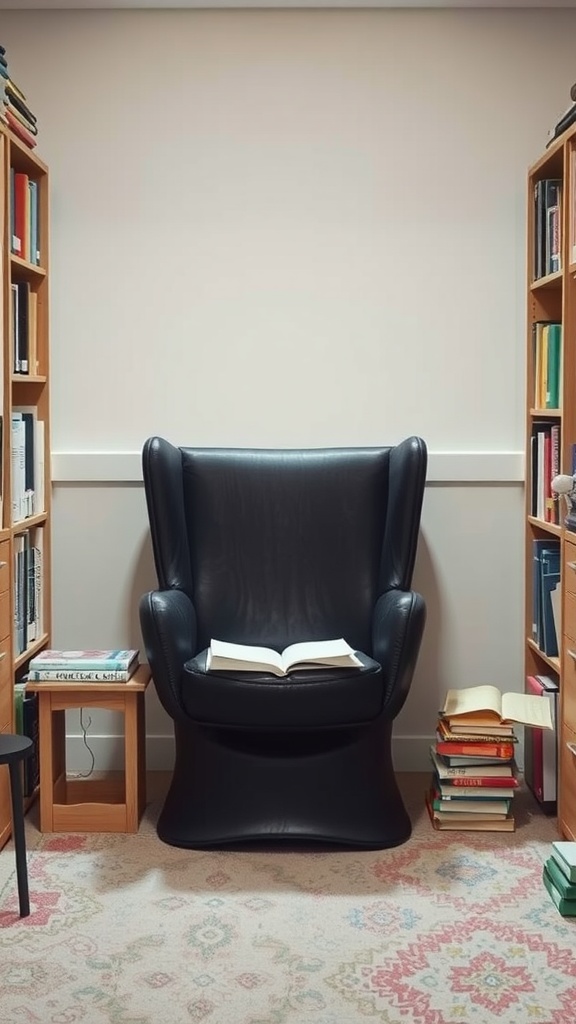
544, 466
14, 109
546, 595
547, 355
28, 588
548, 227
24, 217
24, 328
474, 777
27, 450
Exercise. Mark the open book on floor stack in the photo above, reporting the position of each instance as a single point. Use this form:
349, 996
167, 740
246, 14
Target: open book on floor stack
475, 777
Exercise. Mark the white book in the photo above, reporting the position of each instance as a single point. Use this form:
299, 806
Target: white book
228, 657
18, 459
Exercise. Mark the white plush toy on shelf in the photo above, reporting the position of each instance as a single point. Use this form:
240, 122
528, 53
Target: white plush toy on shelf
566, 486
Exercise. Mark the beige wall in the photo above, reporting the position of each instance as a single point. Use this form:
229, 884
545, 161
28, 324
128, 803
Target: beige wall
293, 228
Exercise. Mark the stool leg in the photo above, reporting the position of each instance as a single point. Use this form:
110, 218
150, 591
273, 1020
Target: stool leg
19, 838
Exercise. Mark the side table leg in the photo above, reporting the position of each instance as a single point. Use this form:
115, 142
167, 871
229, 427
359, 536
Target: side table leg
19, 838
131, 761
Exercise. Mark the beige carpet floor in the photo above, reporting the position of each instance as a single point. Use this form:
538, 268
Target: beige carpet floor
451, 928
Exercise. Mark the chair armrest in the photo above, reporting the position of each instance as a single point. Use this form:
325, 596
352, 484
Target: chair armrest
397, 628
168, 623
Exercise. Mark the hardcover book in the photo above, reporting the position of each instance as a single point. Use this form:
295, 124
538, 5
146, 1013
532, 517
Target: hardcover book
483, 705
472, 823
93, 675
566, 889
472, 774
566, 907
84, 661
226, 657
564, 853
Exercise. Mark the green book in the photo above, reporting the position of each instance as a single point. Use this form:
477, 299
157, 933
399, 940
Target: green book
554, 357
566, 889
565, 856
566, 907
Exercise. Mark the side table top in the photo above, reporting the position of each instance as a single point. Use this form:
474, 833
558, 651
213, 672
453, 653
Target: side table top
137, 683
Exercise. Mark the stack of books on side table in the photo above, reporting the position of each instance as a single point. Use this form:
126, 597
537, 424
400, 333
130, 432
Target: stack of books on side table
83, 666
475, 777
559, 876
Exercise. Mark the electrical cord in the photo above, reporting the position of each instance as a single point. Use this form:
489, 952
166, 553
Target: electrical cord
85, 726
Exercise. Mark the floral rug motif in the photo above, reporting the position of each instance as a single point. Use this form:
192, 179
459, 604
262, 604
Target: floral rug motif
450, 928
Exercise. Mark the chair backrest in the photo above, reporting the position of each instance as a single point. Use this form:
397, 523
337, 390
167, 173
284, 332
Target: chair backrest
279, 545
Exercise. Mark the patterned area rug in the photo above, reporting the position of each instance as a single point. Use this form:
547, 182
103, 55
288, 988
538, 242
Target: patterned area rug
451, 928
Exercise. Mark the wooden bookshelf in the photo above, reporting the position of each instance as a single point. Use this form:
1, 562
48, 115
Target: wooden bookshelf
25, 545
551, 298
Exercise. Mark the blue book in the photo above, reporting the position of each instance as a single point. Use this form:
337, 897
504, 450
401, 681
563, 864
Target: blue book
549, 577
539, 548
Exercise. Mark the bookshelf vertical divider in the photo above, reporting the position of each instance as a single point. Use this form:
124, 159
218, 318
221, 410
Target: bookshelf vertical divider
25, 480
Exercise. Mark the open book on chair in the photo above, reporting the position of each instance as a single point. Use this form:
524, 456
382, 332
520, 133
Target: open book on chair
227, 657
485, 705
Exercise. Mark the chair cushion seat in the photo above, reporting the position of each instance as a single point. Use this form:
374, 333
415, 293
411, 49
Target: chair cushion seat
312, 698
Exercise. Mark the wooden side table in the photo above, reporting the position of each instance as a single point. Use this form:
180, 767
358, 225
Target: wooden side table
111, 803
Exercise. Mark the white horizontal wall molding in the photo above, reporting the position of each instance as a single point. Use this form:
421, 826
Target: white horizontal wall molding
443, 467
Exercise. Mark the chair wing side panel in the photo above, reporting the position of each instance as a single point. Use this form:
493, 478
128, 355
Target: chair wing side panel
162, 472
407, 479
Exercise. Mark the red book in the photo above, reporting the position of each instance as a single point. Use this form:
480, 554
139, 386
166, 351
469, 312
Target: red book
21, 216
477, 781
502, 750
540, 757
20, 130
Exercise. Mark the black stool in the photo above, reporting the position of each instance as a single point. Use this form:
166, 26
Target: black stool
14, 750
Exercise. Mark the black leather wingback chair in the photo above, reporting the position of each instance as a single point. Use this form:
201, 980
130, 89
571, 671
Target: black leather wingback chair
270, 547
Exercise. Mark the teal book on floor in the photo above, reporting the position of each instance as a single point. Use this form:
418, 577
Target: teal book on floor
565, 907
566, 889
564, 854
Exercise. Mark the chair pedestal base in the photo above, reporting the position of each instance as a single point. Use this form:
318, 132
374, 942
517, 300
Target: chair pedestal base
334, 788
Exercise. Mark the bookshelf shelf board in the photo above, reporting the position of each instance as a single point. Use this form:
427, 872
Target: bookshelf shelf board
552, 662
28, 378
542, 414
549, 281
547, 527
550, 164
22, 269
572, 269
30, 651
22, 157
25, 524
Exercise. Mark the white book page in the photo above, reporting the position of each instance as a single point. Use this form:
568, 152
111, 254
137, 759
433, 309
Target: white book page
309, 650
242, 652
475, 698
527, 708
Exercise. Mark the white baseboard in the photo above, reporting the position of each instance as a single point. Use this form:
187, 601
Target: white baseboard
410, 753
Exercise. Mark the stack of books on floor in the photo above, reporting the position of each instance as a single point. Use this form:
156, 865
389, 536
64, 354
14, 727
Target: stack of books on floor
83, 666
14, 110
559, 877
474, 768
